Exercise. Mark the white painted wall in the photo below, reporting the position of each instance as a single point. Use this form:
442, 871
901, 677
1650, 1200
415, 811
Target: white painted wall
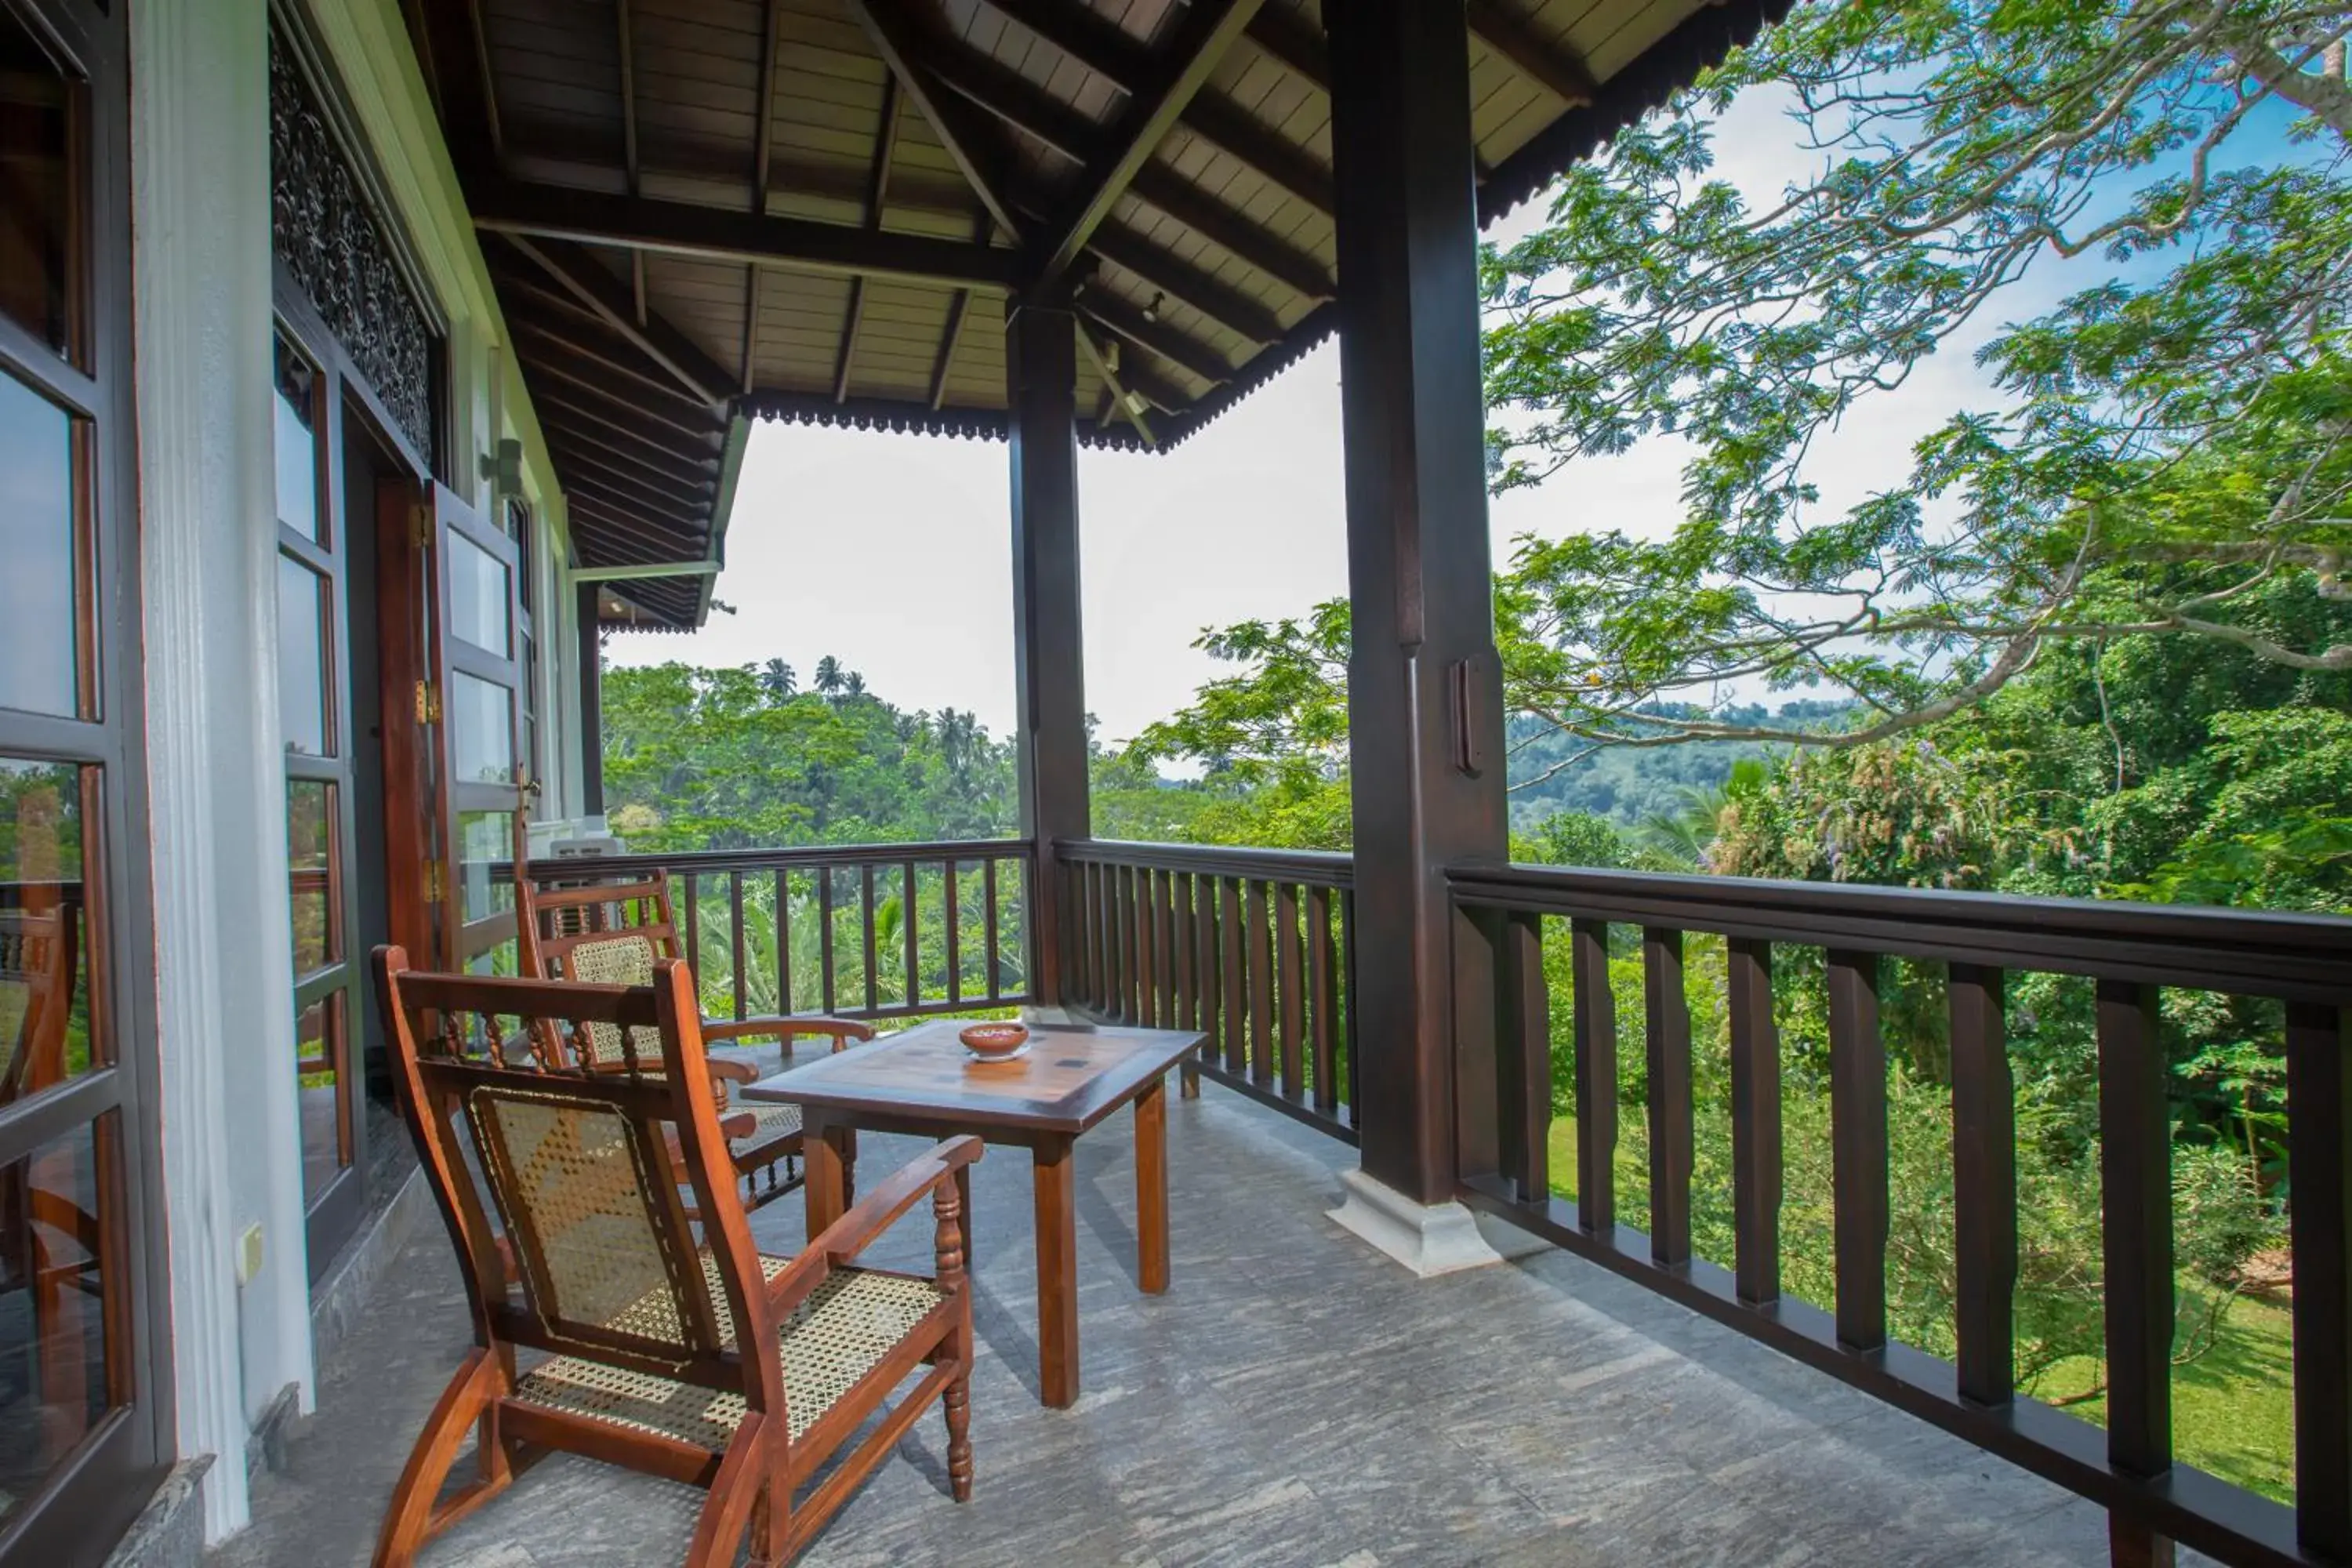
200, 150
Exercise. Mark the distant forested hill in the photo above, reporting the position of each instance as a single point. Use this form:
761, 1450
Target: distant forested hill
1631, 785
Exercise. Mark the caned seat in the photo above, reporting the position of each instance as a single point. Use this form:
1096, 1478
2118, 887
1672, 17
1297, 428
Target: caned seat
670, 1344
612, 933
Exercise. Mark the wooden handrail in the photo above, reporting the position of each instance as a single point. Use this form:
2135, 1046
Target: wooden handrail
1324, 868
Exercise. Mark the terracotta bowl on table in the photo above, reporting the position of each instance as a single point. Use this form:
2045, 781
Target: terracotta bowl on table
994, 1042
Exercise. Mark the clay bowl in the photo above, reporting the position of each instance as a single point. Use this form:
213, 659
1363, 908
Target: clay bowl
994, 1042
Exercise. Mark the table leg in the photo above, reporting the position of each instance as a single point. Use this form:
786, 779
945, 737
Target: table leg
824, 1184
1151, 1187
1055, 1174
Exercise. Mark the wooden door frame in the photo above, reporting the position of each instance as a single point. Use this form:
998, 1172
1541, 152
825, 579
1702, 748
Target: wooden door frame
92, 1495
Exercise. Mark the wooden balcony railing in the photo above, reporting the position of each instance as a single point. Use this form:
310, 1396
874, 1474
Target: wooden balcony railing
867, 930
2303, 965
1253, 947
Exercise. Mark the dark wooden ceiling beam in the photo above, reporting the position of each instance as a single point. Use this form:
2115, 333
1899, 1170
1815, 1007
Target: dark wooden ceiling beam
659, 542
527, 319
907, 44
1272, 155
1180, 280
456, 62
684, 228
1159, 186
610, 541
560, 408
997, 89
1088, 37
566, 430
1114, 315
1129, 406
878, 192
580, 277
943, 363
1556, 70
1181, 70
585, 476
589, 384
1294, 46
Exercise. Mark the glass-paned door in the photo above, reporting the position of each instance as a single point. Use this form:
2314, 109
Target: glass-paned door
460, 636
314, 702
81, 1358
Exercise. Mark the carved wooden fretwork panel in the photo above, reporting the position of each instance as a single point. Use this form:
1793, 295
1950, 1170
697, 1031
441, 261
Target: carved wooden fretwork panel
333, 243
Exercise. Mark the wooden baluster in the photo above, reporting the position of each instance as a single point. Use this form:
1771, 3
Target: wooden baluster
912, 924
1486, 1042
996, 954
1101, 932
1289, 995
1984, 1187
735, 923
1349, 993
1212, 974
1525, 1090
866, 912
1323, 998
694, 924
1261, 986
1164, 925
1139, 939
2319, 1210
1595, 1024
1667, 1018
1755, 1123
1858, 1149
1192, 956
1122, 968
783, 940
949, 891
1232, 948
825, 924
2136, 1205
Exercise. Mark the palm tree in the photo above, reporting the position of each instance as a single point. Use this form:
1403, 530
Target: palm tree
1687, 829
778, 680
828, 675
852, 686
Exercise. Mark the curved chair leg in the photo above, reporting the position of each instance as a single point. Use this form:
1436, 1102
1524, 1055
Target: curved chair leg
726, 1512
408, 1518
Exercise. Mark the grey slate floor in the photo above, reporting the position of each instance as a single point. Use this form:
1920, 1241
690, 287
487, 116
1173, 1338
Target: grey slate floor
1294, 1399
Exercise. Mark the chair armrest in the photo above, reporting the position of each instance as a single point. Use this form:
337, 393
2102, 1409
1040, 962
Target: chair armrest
781, 1029
731, 1070
866, 1220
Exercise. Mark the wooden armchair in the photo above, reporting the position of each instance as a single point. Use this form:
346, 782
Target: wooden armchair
690, 1357
612, 933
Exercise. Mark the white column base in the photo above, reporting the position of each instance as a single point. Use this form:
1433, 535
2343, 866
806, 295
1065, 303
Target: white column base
1428, 1239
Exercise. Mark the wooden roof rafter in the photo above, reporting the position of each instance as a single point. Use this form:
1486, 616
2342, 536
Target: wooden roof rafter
878, 191
1126, 404
593, 288
908, 46
1165, 92
1556, 70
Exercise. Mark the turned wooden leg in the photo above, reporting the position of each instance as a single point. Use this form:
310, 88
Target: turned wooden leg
1151, 1187
951, 1208
1055, 1176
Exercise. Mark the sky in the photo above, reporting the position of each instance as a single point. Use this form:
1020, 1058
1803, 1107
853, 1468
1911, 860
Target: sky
893, 552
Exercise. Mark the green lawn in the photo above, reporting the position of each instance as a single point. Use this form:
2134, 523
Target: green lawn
2232, 1409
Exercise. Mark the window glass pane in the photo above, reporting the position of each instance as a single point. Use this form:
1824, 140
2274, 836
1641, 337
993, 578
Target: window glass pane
39, 648
44, 1024
319, 1068
310, 845
481, 729
39, 227
478, 595
297, 446
53, 1307
484, 838
302, 656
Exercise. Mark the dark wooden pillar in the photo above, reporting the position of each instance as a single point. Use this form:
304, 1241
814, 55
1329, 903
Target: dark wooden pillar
1424, 695
591, 706
1049, 645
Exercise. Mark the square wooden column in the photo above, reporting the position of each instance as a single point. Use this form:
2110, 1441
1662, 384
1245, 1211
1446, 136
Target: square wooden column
1049, 644
591, 703
1424, 692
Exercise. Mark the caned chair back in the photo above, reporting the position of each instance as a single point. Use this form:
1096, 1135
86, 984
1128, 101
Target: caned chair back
597, 934
576, 1169
38, 956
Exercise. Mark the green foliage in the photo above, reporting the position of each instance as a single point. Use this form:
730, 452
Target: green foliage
2165, 442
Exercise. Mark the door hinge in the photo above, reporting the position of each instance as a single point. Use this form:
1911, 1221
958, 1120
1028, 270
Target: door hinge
428, 703
420, 525
435, 886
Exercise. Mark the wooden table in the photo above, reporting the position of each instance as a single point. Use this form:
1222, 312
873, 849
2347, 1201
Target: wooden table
1072, 1077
